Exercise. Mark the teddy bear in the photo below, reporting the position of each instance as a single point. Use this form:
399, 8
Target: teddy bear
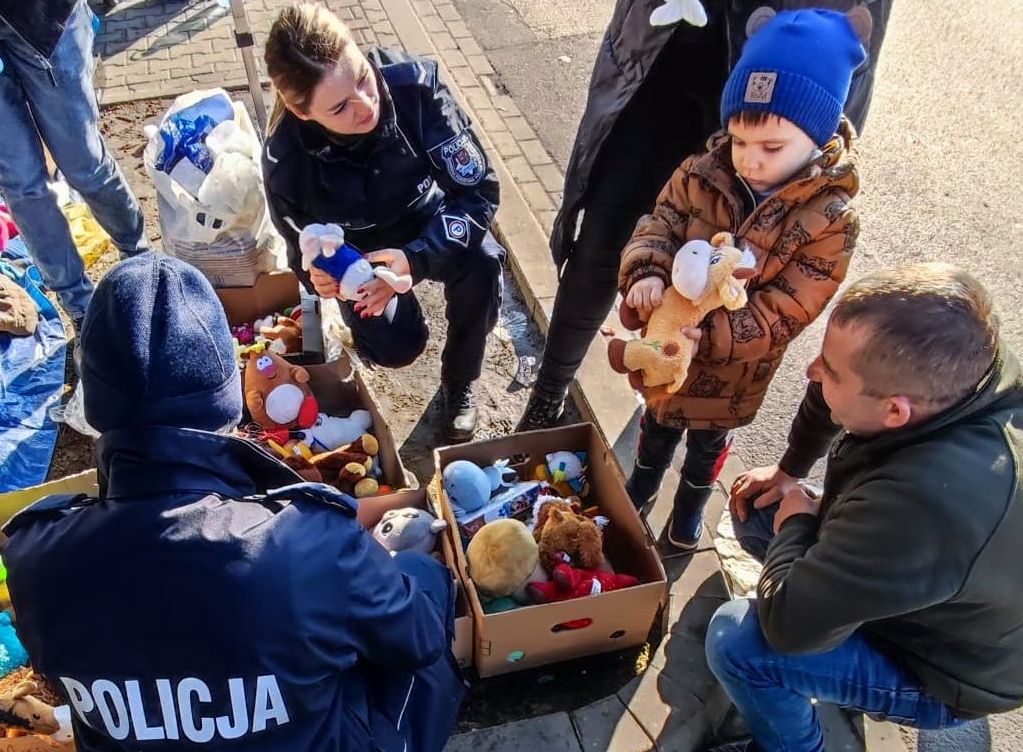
324, 247
284, 329
408, 529
560, 531
350, 468
568, 582
277, 393
503, 558
704, 276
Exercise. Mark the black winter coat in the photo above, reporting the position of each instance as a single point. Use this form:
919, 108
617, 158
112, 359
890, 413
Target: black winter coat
39, 22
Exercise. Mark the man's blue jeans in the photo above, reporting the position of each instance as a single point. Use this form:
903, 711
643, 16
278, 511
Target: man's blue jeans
55, 99
772, 690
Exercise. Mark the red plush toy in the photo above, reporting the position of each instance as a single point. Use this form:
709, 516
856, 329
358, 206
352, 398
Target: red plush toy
567, 582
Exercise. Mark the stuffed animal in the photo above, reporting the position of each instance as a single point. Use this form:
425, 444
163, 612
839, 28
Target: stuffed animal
23, 712
560, 531
329, 432
503, 559
278, 394
284, 329
704, 276
467, 486
408, 529
565, 472
499, 475
567, 582
336, 467
244, 333
324, 247
12, 653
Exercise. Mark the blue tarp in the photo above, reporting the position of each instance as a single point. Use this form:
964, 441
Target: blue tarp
31, 382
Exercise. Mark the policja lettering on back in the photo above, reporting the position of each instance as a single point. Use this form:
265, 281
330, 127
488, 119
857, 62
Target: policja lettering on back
176, 711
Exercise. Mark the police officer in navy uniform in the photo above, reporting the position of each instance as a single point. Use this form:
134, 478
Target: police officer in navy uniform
188, 606
377, 145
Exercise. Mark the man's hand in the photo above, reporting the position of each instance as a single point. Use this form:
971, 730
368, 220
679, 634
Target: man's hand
324, 284
375, 295
798, 500
645, 296
766, 485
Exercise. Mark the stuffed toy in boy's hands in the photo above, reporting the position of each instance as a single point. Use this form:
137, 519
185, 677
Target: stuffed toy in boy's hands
704, 276
324, 247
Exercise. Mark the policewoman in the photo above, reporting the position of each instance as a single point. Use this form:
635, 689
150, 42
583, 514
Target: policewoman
376, 144
189, 607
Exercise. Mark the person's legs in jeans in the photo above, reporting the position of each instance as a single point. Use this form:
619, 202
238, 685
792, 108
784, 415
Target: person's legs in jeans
656, 448
706, 451
756, 533
772, 690
62, 101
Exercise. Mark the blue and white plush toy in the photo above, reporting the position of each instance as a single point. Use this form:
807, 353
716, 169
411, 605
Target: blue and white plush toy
12, 653
324, 247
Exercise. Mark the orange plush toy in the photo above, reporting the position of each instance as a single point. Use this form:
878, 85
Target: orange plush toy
277, 393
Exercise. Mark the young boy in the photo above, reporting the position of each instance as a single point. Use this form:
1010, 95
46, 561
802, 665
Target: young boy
781, 178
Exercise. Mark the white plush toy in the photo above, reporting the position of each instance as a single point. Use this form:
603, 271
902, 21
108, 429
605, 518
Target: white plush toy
329, 433
324, 247
673, 11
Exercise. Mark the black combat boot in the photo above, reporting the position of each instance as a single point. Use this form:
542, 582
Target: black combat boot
460, 412
541, 412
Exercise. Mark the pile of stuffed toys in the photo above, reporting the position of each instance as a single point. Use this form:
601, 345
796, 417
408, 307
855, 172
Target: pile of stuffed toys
28, 705
532, 541
280, 333
322, 448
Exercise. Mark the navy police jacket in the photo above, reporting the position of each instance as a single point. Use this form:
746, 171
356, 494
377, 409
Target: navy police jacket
420, 181
185, 609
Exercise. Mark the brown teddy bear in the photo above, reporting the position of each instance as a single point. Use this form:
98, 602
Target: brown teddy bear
560, 531
277, 393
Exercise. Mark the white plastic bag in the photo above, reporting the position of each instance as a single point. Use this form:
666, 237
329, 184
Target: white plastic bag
218, 222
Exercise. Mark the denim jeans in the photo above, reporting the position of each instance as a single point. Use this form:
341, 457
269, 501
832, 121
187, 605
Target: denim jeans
55, 99
772, 690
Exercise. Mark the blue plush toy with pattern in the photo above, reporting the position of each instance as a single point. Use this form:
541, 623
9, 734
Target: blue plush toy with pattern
12, 652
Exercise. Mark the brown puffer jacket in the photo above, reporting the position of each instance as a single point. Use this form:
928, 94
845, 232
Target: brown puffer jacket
803, 236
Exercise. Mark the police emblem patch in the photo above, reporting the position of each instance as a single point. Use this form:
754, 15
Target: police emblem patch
463, 159
456, 229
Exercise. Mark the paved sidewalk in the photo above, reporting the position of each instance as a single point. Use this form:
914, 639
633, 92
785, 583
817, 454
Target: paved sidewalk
152, 49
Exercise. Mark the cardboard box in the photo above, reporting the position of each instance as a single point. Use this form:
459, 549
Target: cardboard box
339, 388
533, 636
372, 509
14, 501
272, 293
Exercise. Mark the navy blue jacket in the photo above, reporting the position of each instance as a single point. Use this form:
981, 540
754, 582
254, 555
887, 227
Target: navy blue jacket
184, 610
420, 181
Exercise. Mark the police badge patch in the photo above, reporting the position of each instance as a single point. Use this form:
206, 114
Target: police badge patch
456, 229
464, 161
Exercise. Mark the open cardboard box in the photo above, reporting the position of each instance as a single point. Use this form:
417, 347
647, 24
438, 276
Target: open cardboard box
272, 293
339, 388
371, 509
533, 636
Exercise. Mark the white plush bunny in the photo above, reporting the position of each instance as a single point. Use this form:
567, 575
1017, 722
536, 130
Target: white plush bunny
673, 11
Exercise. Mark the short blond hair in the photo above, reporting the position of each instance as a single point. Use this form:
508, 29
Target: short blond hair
932, 332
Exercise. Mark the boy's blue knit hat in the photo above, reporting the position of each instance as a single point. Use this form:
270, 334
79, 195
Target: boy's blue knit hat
157, 350
798, 66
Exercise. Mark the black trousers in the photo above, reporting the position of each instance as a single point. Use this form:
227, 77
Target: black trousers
705, 450
473, 289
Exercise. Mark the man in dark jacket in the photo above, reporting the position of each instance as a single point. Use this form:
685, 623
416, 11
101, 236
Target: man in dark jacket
46, 68
188, 607
896, 590
653, 101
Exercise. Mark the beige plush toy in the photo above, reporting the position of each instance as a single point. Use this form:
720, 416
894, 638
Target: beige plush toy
704, 276
503, 558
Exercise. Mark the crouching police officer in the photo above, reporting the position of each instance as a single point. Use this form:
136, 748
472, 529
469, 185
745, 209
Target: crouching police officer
189, 608
377, 145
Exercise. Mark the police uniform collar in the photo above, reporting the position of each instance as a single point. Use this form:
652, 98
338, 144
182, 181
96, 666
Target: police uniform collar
154, 460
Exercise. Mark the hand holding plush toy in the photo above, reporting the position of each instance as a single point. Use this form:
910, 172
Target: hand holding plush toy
704, 276
324, 247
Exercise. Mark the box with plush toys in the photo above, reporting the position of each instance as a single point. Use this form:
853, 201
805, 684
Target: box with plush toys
554, 559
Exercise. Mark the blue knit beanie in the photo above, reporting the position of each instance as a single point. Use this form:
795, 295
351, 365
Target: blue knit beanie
798, 66
157, 350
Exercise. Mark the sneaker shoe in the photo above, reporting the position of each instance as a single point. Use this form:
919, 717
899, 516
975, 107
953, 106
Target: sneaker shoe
460, 412
643, 485
541, 412
686, 523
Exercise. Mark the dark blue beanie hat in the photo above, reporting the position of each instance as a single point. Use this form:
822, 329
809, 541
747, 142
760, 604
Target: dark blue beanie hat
157, 350
797, 66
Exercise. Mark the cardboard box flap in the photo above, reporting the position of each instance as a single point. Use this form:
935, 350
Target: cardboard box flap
272, 293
